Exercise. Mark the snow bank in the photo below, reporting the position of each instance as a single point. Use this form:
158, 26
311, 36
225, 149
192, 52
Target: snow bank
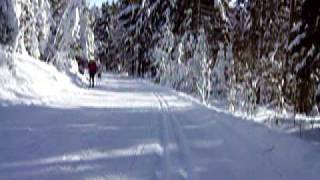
31, 81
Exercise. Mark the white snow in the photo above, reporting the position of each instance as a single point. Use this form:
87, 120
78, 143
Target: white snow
51, 128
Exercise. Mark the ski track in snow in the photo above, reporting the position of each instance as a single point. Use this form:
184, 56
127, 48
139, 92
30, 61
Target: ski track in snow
172, 135
128, 129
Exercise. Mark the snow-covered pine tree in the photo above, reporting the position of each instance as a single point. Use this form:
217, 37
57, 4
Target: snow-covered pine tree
153, 17
8, 23
125, 30
304, 56
201, 67
105, 34
74, 35
25, 25
259, 37
163, 59
34, 26
57, 8
140, 23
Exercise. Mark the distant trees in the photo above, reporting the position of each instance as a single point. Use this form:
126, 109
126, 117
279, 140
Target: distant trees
304, 50
8, 22
51, 30
251, 52
72, 33
25, 26
102, 30
259, 39
254, 52
275, 54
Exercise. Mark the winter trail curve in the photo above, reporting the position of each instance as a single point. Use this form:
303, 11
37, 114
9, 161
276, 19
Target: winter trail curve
132, 129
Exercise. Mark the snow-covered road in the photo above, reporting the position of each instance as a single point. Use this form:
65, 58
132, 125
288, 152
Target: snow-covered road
128, 129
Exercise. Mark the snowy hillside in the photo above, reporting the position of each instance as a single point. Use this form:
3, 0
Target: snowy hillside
31, 81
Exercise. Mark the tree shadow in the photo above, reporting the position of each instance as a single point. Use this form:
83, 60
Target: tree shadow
50, 143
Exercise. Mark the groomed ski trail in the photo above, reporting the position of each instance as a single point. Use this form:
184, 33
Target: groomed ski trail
128, 129
173, 139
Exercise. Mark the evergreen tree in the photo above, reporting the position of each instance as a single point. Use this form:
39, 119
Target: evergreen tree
8, 22
305, 54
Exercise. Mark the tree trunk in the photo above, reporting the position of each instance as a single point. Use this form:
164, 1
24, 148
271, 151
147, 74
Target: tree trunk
292, 6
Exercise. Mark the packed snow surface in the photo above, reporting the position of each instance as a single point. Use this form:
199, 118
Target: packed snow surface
125, 129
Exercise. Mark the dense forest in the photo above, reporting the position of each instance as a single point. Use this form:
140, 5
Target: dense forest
248, 53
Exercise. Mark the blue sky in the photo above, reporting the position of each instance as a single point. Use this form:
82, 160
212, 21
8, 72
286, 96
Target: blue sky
99, 2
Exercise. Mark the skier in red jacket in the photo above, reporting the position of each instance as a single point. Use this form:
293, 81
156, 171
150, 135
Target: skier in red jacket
92, 66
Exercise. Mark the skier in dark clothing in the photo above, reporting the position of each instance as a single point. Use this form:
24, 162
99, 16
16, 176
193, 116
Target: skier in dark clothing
92, 66
99, 71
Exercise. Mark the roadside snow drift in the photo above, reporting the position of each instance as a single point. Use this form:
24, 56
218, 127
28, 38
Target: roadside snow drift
32, 81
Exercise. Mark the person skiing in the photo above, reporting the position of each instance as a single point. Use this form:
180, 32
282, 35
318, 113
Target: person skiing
92, 66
